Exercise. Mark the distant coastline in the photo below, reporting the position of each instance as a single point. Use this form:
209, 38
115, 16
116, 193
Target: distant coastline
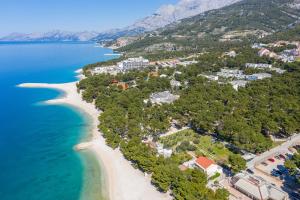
45, 42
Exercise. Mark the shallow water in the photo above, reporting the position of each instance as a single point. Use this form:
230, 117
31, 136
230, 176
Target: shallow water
37, 160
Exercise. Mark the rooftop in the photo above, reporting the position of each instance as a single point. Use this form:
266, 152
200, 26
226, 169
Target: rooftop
204, 162
163, 97
257, 187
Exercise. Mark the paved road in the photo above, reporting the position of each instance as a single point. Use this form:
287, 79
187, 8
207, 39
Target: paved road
279, 149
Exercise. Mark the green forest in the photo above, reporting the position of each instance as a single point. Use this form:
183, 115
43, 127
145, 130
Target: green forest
244, 118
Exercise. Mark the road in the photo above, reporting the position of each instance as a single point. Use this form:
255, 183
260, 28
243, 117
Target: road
173, 131
275, 151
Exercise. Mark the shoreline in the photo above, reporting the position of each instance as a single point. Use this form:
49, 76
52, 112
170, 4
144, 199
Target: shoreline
123, 181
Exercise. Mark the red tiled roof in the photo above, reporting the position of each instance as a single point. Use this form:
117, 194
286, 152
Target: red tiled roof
114, 81
204, 162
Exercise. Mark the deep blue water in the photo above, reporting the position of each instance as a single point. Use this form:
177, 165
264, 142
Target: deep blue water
37, 161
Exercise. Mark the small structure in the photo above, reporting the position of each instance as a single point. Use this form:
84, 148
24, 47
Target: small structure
166, 153
291, 52
258, 65
175, 84
231, 54
114, 81
247, 155
113, 70
163, 97
238, 83
264, 52
133, 63
231, 73
278, 70
261, 76
207, 166
189, 164
177, 73
257, 188
251, 78
258, 45
123, 85
187, 63
153, 74
286, 58
211, 77
163, 76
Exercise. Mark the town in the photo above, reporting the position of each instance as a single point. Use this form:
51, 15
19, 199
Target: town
243, 173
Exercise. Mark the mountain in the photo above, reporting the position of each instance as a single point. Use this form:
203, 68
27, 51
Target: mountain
165, 15
168, 14
264, 15
245, 19
51, 36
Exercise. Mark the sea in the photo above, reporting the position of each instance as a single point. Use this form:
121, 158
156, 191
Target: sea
37, 160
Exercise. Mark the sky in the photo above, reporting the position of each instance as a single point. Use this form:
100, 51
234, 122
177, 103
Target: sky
27, 16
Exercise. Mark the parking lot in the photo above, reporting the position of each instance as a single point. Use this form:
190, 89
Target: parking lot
272, 169
273, 166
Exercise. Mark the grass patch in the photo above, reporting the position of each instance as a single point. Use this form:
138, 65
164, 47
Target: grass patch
188, 140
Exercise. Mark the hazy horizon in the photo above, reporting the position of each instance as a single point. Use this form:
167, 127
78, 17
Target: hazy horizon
33, 16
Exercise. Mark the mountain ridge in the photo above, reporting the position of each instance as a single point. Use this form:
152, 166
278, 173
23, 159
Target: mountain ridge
247, 19
55, 35
165, 15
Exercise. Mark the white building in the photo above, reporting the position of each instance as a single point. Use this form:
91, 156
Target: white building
211, 77
208, 166
238, 83
258, 65
258, 45
166, 153
257, 188
278, 70
187, 63
261, 76
231, 54
133, 63
247, 155
163, 76
190, 164
287, 59
231, 73
163, 97
264, 52
175, 84
113, 70
129, 64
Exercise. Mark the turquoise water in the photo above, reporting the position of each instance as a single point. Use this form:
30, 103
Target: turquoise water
37, 161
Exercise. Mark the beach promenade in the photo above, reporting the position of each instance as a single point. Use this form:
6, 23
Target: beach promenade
123, 181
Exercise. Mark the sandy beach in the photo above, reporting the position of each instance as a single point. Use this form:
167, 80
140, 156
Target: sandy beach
124, 182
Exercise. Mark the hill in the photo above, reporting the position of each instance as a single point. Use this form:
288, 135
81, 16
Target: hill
165, 15
248, 19
52, 36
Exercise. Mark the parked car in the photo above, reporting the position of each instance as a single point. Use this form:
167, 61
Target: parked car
264, 164
277, 157
295, 196
271, 160
275, 173
282, 156
282, 169
250, 171
279, 172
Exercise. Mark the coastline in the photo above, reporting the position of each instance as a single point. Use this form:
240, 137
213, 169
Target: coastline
123, 181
